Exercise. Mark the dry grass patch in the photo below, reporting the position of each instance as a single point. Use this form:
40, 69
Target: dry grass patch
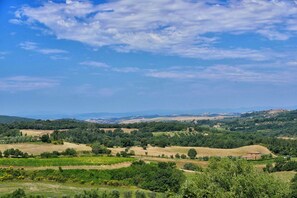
202, 151
34, 132
37, 148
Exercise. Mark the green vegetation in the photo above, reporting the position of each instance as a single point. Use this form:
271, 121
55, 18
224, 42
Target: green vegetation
54, 189
233, 178
192, 153
12, 119
224, 177
63, 161
254, 128
159, 177
192, 167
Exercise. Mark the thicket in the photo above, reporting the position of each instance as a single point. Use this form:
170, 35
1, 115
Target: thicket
160, 177
234, 178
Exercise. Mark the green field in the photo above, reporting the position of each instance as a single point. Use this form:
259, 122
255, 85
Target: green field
63, 161
53, 189
285, 176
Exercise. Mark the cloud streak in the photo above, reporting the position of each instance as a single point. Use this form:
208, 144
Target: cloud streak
26, 83
32, 46
182, 28
225, 73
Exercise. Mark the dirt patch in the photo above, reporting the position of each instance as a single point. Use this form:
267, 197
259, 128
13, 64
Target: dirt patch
38, 133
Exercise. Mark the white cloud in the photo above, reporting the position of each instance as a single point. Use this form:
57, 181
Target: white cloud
26, 83
224, 72
32, 46
125, 69
95, 64
181, 28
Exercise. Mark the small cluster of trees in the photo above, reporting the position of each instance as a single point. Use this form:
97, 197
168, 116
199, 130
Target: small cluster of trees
158, 177
14, 153
98, 149
281, 164
68, 152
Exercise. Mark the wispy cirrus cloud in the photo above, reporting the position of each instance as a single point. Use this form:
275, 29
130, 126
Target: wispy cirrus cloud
32, 46
180, 28
226, 73
26, 83
95, 64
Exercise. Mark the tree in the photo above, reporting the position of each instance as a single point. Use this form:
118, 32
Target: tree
45, 138
70, 152
192, 153
234, 178
183, 156
100, 149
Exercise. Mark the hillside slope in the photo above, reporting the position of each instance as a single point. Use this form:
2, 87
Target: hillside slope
10, 119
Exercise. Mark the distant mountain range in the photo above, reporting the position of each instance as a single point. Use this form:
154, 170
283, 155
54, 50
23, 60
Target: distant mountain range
104, 117
146, 114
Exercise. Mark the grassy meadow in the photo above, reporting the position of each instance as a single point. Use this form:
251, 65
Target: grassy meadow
54, 189
63, 161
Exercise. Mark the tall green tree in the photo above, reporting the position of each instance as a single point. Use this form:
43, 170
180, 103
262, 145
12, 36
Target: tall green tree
234, 178
192, 153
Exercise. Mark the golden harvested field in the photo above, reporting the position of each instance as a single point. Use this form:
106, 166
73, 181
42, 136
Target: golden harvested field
37, 148
33, 132
202, 151
177, 118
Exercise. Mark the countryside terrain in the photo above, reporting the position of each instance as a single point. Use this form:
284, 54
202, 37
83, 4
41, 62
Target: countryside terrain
156, 158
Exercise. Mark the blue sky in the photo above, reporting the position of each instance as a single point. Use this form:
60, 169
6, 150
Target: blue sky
123, 56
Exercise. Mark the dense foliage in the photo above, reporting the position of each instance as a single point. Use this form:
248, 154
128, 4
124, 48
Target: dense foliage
233, 178
266, 128
159, 177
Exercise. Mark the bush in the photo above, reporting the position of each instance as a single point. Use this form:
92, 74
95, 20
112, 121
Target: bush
115, 194
70, 152
45, 138
128, 194
183, 156
100, 149
192, 167
140, 194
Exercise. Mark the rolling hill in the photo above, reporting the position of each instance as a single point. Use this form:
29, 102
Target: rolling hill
9, 119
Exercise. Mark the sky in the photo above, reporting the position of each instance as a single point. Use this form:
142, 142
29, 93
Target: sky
126, 56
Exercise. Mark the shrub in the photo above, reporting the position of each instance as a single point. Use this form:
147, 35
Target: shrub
100, 149
140, 194
183, 156
128, 194
191, 166
115, 194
